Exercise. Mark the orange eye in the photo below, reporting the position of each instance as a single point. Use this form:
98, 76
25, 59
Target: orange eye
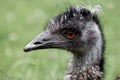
70, 35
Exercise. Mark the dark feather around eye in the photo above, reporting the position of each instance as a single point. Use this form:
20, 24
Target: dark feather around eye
75, 30
69, 29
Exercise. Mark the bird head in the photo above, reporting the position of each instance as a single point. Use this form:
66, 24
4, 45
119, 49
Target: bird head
75, 30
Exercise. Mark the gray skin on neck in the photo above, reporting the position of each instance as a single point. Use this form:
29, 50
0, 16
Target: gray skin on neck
85, 65
87, 47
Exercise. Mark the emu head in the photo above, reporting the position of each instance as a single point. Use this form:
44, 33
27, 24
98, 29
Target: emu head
76, 30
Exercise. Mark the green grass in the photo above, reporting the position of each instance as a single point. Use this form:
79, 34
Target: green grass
22, 20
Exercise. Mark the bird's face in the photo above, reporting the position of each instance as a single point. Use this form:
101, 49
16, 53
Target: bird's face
64, 38
67, 31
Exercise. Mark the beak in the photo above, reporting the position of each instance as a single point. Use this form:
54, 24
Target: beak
43, 41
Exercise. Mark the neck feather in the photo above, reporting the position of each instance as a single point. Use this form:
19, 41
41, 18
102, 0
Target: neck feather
86, 67
89, 63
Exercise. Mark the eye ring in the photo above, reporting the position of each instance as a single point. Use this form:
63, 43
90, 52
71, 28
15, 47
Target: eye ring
69, 34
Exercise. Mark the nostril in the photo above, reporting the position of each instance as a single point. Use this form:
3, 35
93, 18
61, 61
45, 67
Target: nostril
45, 39
37, 43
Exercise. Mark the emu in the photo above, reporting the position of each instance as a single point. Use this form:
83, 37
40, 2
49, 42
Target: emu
77, 30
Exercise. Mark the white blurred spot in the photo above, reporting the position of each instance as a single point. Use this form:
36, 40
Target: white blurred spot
37, 13
52, 56
35, 16
10, 17
20, 55
8, 52
13, 36
110, 5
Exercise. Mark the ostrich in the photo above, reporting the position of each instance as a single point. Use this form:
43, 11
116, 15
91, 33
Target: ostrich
78, 31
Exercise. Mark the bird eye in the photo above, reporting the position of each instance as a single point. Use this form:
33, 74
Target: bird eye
69, 34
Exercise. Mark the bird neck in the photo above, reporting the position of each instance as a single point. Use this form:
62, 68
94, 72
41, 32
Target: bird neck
85, 68
88, 65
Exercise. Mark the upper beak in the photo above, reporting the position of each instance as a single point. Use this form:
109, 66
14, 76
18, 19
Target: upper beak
42, 41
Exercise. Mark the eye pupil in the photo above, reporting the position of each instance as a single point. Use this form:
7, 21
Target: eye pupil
70, 35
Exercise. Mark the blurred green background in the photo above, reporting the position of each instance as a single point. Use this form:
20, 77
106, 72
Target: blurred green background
22, 20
